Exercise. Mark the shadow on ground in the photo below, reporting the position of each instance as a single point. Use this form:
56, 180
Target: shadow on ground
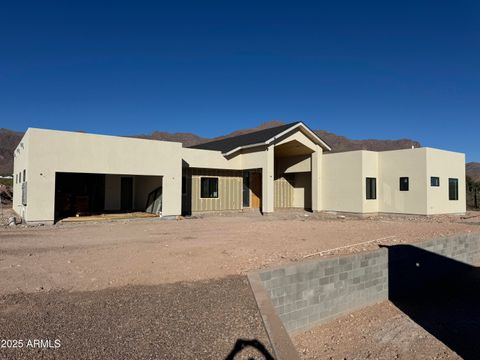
440, 294
195, 320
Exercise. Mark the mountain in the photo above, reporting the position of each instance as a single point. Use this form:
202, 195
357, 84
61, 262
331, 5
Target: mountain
9, 140
342, 143
473, 170
187, 139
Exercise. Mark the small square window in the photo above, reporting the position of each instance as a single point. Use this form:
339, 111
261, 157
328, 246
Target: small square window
453, 189
371, 188
404, 184
209, 188
435, 181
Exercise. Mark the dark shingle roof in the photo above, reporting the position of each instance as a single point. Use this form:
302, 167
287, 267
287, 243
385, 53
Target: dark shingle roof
230, 143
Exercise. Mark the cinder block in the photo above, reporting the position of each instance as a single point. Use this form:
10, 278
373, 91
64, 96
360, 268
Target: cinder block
278, 273
267, 275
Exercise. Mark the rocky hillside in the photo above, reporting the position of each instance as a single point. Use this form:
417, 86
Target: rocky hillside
336, 142
473, 171
9, 140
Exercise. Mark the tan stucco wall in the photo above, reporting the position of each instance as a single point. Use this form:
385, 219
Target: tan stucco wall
293, 164
59, 151
209, 159
342, 182
143, 185
302, 193
343, 172
370, 169
21, 159
445, 164
298, 136
409, 163
337, 180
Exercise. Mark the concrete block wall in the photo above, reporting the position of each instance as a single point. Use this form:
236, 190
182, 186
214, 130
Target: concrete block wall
306, 294
462, 247
426, 265
309, 293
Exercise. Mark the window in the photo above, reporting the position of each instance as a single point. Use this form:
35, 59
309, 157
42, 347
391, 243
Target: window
371, 188
16, 178
24, 175
404, 184
453, 189
209, 187
434, 181
20, 177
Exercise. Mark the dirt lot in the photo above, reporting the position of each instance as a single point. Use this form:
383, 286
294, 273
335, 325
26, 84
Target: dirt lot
175, 289
376, 332
200, 320
150, 252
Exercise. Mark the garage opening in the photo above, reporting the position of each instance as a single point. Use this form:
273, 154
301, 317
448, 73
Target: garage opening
81, 195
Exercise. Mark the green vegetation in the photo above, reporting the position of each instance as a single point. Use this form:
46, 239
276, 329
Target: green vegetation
473, 193
7, 182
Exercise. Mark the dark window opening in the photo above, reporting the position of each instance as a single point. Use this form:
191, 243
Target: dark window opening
24, 175
434, 181
209, 188
453, 189
371, 188
184, 185
20, 177
404, 184
246, 189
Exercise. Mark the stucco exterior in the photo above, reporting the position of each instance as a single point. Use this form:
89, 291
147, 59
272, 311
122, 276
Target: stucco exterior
43, 153
294, 166
345, 181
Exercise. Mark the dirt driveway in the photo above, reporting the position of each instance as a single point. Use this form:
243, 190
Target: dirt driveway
170, 289
150, 252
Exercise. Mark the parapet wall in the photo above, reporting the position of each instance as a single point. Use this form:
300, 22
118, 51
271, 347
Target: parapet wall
309, 293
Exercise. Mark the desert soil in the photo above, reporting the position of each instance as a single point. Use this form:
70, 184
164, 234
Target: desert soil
172, 289
376, 332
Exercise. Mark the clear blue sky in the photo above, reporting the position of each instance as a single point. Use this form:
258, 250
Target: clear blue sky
363, 69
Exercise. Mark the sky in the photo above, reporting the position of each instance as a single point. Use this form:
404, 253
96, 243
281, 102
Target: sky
362, 69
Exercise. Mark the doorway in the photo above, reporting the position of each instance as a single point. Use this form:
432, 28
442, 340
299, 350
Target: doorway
126, 194
256, 190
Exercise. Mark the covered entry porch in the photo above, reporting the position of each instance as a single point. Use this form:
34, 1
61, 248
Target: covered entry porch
292, 175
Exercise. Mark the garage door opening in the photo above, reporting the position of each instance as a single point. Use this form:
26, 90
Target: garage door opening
82, 195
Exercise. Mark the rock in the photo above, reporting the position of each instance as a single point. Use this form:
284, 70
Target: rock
12, 221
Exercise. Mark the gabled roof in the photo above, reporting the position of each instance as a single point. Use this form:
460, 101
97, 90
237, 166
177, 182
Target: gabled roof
257, 138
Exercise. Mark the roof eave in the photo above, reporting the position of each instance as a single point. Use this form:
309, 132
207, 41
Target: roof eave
319, 141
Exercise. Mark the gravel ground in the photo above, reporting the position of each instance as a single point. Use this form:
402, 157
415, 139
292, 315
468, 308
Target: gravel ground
95, 256
200, 320
153, 289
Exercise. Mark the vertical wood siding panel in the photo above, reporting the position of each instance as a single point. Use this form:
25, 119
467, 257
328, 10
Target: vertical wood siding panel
229, 190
